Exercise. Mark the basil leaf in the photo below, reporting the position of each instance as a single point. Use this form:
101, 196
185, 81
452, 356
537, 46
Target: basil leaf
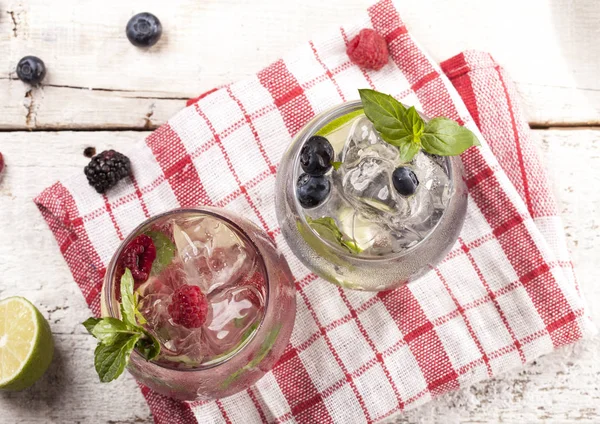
148, 346
396, 124
336, 165
444, 137
405, 129
408, 151
127, 300
110, 360
108, 330
165, 251
328, 229
90, 323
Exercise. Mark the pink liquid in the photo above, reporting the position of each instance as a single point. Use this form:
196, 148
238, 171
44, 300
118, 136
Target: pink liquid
210, 255
251, 303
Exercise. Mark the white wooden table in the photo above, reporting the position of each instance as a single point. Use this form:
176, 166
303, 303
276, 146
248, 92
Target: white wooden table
100, 91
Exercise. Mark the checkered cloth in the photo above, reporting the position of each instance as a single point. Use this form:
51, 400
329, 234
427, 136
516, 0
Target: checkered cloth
503, 296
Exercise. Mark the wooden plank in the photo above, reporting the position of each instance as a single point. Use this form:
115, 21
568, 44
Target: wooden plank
561, 387
97, 80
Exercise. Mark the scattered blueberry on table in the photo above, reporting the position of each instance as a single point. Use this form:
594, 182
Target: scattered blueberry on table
31, 70
405, 181
312, 190
106, 169
144, 30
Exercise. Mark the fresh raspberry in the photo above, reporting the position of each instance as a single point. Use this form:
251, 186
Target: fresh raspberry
138, 256
188, 306
368, 50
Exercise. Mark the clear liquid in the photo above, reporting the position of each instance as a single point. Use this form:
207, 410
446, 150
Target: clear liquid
363, 201
214, 257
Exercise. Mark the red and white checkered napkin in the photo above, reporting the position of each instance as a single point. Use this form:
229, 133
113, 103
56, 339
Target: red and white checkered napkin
505, 294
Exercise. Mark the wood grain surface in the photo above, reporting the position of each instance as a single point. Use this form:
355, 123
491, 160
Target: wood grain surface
97, 79
112, 93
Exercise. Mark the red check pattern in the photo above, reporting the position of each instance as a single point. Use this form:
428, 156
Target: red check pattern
503, 296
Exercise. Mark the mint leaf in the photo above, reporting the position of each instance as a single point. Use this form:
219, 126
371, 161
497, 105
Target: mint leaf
110, 360
90, 323
117, 338
264, 350
138, 315
233, 377
352, 246
328, 229
165, 251
127, 300
239, 322
444, 137
266, 346
336, 165
108, 330
396, 125
148, 346
249, 331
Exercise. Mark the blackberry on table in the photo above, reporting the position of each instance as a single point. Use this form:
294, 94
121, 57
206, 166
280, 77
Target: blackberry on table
106, 169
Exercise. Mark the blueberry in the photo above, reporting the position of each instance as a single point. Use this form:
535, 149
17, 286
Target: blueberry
405, 181
312, 191
316, 156
31, 70
143, 30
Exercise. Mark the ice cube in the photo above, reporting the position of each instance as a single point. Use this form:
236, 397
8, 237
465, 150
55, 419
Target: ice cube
368, 186
433, 178
211, 253
363, 232
363, 140
232, 312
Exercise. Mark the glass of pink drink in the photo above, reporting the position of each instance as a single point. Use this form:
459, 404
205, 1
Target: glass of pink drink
249, 297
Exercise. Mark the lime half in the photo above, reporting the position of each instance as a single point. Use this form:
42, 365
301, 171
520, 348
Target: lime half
26, 346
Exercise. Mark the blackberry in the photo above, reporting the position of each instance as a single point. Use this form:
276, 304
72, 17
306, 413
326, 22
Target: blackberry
106, 169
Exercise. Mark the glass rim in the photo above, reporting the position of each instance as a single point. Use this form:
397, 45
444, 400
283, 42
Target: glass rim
206, 210
309, 130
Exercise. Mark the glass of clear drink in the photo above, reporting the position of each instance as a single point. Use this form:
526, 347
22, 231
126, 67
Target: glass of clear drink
363, 234
250, 297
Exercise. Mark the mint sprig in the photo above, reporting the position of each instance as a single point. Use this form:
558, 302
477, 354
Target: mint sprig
405, 129
118, 337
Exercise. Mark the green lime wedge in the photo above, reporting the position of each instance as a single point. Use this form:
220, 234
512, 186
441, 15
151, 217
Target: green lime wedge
339, 122
26, 346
